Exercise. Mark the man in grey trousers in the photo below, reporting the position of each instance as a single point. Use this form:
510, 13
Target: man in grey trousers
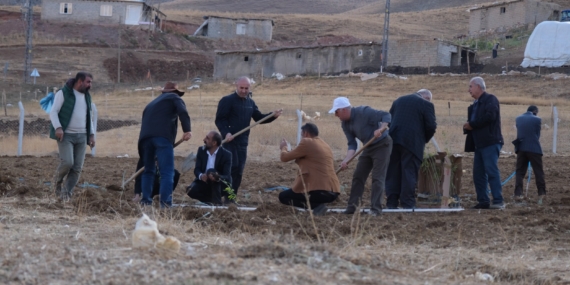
72, 128
365, 124
528, 149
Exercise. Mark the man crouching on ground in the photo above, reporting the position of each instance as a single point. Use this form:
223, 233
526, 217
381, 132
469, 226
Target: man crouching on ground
316, 175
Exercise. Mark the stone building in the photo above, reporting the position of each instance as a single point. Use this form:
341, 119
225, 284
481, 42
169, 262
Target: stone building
425, 53
314, 60
227, 28
128, 12
511, 13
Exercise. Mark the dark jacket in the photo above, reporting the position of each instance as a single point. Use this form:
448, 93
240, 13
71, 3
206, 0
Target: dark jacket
222, 165
413, 123
66, 110
364, 120
528, 133
486, 124
160, 117
235, 113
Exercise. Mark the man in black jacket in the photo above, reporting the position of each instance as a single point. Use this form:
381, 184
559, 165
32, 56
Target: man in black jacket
234, 114
213, 164
413, 125
483, 130
528, 149
156, 141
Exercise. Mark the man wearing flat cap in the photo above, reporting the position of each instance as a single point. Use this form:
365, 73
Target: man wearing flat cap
156, 140
366, 124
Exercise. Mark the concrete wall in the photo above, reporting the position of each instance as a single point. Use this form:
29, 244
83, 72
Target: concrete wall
226, 28
422, 53
86, 11
516, 13
302, 61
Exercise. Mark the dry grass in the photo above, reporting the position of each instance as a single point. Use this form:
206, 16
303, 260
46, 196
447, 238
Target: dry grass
317, 95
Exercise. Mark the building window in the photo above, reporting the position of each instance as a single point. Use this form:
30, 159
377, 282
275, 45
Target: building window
106, 11
359, 52
240, 29
65, 8
503, 10
299, 56
246, 58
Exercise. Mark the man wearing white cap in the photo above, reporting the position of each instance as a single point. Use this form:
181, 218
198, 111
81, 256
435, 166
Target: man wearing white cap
365, 123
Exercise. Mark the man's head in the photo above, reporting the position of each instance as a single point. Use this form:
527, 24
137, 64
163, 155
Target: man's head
172, 87
426, 94
242, 86
341, 108
83, 81
533, 109
477, 87
213, 140
309, 130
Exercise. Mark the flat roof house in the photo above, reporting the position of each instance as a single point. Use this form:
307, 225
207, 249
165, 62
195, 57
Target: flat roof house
128, 12
227, 28
425, 53
510, 14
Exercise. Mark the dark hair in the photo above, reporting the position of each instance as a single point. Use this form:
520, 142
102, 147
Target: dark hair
82, 75
217, 137
533, 109
311, 129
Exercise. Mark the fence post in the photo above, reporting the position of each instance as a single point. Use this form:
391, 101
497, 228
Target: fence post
21, 129
300, 122
95, 115
555, 130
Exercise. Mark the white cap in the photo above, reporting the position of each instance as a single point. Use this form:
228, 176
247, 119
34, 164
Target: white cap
339, 103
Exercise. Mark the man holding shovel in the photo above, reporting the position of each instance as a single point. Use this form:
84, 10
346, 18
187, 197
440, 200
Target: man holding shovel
368, 125
234, 114
156, 141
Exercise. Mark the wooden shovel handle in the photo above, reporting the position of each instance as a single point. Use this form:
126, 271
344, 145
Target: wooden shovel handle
361, 149
251, 126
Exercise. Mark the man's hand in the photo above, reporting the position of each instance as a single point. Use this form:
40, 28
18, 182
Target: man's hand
92, 141
378, 133
343, 165
213, 177
187, 136
467, 127
204, 177
277, 113
59, 134
229, 137
283, 144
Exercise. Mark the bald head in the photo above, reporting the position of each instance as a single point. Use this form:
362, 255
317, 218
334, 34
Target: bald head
426, 94
243, 85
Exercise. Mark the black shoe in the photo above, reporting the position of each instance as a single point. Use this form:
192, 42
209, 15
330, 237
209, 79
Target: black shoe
320, 210
375, 213
481, 206
349, 211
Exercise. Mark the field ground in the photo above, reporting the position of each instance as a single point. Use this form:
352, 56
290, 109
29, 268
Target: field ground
88, 240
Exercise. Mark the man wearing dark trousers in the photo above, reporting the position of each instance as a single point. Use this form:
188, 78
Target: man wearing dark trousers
234, 114
484, 137
316, 176
413, 125
528, 149
213, 164
156, 141
365, 124
156, 184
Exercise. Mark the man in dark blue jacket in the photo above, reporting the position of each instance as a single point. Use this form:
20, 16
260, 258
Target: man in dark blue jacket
483, 130
413, 125
234, 114
527, 148
156, 140
213, 168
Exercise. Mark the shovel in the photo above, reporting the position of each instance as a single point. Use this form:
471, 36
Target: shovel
186, 165
142, 169
361, 149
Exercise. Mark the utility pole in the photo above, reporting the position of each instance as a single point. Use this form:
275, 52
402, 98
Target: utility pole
385, 37
119, 55
28, 17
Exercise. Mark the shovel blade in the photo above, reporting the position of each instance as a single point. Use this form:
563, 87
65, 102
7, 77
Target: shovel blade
188, 163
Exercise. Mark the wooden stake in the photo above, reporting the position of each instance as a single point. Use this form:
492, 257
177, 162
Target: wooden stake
4, 102
468, 65
507, 66
319, 70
